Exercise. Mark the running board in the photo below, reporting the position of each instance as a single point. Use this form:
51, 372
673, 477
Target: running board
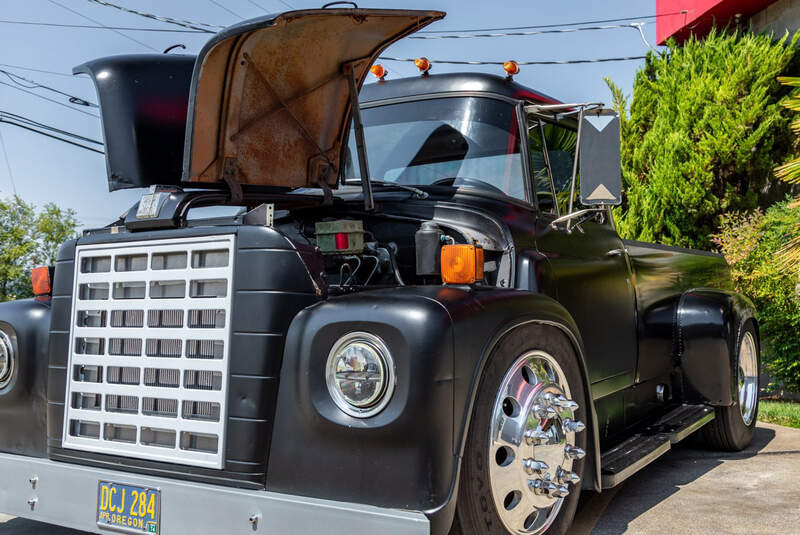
624, 460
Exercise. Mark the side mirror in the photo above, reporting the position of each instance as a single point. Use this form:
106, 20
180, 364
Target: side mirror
601, 172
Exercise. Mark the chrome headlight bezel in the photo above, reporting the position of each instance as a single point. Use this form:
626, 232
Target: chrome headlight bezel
6, 360
386, 363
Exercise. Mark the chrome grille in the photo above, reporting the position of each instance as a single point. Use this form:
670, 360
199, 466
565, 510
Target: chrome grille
148, 353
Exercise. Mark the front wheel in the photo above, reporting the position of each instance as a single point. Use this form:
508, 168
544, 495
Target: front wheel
524, 454
733, 427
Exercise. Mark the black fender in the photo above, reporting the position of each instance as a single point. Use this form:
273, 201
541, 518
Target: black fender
408, 456
23, 402
709, 323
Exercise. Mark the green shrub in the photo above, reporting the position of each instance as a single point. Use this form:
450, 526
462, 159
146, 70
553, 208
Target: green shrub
704, 131
751, 243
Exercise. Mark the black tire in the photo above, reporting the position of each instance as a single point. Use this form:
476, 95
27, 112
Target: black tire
475, 509
728, 431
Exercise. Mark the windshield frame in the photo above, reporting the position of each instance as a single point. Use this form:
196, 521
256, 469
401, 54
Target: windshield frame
529, 200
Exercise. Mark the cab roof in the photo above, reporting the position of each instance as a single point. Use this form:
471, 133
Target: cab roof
450, 83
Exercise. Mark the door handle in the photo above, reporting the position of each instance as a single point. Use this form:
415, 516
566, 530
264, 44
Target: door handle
615, 252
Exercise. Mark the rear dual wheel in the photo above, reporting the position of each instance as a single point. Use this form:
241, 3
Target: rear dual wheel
524, 454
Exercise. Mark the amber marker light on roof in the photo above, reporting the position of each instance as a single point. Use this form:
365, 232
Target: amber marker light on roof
40, 280
423, 64
378, 70
461, 264
511, 67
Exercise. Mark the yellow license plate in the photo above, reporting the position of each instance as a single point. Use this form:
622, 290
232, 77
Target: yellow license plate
128, 508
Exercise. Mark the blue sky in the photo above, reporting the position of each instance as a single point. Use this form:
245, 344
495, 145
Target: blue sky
44, 170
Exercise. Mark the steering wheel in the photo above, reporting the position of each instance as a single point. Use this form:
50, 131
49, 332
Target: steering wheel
467, 182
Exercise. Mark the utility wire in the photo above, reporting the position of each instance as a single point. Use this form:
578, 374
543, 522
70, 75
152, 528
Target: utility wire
90, 27
37, 124
200, 26
4, 120
34, 85
560, 25
565, 62
49, 99
101, 24
20, 67
225, 8
633, 26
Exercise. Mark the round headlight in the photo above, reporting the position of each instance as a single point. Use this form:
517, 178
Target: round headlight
360, 374
6, 359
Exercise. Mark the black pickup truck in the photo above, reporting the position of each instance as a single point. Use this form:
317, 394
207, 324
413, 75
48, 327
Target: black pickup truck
408, 315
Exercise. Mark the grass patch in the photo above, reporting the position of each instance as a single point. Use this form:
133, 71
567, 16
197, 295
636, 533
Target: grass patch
780, 413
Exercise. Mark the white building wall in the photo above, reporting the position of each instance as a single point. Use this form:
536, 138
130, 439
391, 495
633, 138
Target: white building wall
779, 17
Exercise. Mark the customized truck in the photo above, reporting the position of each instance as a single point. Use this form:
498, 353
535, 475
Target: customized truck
401, 312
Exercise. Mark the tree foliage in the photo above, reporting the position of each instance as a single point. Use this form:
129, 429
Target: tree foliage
28, 239
750, 243
704, 131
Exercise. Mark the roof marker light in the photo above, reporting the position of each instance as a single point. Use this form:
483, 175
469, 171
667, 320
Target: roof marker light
423, 64
379, 71
511, 67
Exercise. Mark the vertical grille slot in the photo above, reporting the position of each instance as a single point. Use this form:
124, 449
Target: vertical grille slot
127, 318
206, 319
163, 348
166, 408
200, 410
119, 375
91, 318
163, 378
170, 319
202, 380
123, 404
136, 302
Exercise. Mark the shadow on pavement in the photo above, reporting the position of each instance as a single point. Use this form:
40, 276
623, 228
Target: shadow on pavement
655, 483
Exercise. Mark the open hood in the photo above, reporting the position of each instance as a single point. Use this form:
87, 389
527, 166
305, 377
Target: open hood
270, 102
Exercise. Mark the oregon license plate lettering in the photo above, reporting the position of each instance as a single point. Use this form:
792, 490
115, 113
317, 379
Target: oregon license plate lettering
128, 508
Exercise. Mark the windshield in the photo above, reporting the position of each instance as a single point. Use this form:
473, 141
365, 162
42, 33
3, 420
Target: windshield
461, 142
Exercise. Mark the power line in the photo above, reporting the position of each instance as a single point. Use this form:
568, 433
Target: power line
564, 62
20, 67
32, 129
225, 8
37, 124
560, 25
101, 24
90, 27
34, 85
49, 99
633, 26
200, 26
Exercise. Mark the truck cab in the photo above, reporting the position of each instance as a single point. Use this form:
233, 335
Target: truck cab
405, 309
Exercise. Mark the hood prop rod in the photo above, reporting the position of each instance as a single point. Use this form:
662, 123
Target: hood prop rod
358, 127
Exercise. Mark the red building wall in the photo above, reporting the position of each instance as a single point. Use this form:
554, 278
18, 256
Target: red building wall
681, 18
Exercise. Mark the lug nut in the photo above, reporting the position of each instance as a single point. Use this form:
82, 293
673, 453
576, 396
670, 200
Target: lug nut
560, 491
536, 436
544, 412
573, 426
566, 404
532, 465
542, 486
574, 452
565, 476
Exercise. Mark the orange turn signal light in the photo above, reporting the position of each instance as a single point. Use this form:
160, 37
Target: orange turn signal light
423, 64
461, 264
378, 70
511, 67
40, 280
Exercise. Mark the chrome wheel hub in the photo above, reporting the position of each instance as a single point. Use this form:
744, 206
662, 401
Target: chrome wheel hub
748, 378
532, 444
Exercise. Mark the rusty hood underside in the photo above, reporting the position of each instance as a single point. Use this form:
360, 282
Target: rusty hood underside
270, 100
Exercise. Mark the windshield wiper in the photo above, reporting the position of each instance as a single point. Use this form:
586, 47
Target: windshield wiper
418, 193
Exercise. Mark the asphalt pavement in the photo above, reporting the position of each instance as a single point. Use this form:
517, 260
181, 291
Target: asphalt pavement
688, 491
